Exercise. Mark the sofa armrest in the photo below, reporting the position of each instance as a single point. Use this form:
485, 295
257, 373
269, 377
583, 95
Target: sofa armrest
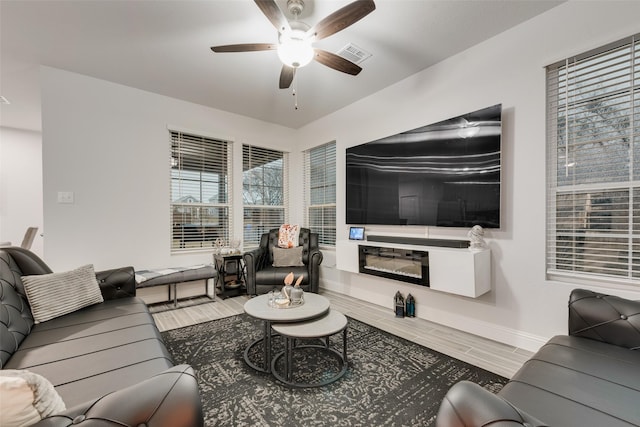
117, 283
169, 399
604, 318
469, 405
315, 259
28, 262
253, 262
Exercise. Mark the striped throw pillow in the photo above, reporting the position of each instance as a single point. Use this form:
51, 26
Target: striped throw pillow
56, 294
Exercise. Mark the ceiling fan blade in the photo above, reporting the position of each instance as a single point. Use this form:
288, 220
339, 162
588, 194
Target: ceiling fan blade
336, 62
274, 14
342, 18
286, 76
246, 47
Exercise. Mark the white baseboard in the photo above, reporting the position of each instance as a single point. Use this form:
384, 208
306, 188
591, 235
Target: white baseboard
487, 330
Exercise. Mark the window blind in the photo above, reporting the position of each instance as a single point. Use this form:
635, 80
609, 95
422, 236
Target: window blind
593, 164
200, 189
264, 191
320, 192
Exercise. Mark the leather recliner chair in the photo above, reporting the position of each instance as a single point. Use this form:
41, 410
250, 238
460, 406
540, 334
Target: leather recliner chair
262, 276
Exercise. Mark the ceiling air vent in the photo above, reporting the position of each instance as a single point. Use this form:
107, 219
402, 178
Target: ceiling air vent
353, 53
4, 101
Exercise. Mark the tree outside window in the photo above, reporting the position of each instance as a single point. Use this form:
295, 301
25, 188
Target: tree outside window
593, 122
263, 191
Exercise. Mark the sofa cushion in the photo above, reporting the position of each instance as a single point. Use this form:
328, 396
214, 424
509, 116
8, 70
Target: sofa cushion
574, 381
287, 257
274, 276
26, 398
56, 294
95, 350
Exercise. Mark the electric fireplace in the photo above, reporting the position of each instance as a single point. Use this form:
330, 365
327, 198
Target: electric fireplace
405, 265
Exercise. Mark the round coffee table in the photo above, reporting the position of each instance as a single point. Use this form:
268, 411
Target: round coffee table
314, 306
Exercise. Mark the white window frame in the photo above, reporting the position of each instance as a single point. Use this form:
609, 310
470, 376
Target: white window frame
190, 162
270, 212
324, 178
593, 181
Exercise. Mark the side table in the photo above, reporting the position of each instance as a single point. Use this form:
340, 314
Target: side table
230, 280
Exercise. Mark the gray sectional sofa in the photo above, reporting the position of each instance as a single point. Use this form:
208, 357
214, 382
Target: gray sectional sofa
107, 361
588, 378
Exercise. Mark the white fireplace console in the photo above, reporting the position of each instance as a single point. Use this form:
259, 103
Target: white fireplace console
457, 271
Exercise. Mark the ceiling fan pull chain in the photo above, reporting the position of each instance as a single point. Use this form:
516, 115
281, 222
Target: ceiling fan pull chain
295, 93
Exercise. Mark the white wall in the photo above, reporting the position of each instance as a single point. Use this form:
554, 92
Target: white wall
20, 186
523, 309
109, 145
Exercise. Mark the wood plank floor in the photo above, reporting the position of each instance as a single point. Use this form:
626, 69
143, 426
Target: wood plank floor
490, 355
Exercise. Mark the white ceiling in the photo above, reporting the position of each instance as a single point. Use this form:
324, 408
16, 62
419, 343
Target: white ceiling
163, 46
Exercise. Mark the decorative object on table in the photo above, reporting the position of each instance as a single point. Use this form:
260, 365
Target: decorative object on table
221, 247
476, 236
288, 280
399, 304
217, 246
410, 306
289, 296
281, 300
297, 293
277, 300
236, 245
271, 301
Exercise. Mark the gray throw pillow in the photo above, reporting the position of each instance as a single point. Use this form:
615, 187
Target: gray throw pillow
288, 257
56, 294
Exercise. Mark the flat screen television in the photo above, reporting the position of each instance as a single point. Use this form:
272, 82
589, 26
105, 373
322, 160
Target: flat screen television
445, 174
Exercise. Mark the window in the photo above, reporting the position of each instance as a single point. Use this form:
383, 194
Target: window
593, 164
264, 191
200, 188
320, 192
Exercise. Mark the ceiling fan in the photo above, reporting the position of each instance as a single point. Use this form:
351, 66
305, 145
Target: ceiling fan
295, 38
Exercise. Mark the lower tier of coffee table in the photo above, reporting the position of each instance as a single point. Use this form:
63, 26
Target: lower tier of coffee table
296, 339
265, 340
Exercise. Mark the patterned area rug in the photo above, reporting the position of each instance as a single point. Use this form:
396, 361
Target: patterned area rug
390, 381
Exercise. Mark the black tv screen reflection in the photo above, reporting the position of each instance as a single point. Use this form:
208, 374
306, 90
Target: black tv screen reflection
446, 174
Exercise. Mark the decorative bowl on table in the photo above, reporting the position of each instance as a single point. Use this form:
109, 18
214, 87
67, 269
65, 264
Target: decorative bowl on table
279, 300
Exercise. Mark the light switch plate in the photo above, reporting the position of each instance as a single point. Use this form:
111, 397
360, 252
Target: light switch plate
65, 196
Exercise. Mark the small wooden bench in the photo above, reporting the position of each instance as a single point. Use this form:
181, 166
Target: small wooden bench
322, 328
173, 276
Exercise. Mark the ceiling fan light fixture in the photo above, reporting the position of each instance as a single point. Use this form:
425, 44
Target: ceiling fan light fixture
295, 51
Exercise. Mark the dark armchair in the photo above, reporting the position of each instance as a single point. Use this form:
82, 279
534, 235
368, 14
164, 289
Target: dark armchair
262, 276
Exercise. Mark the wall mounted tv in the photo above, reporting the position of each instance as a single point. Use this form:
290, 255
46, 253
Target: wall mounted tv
446, 174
